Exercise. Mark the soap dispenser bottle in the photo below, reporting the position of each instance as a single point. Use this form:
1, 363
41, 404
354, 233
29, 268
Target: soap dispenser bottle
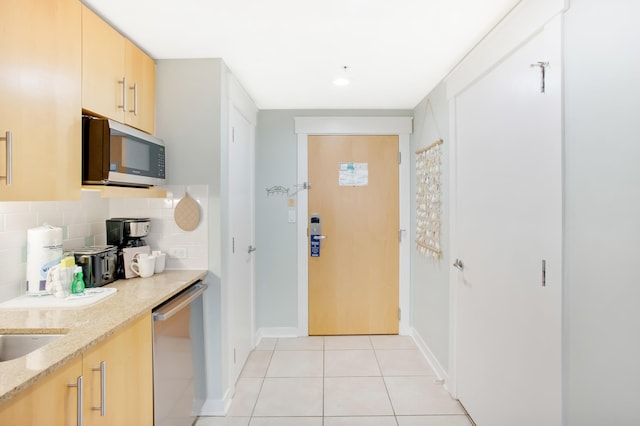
77, 286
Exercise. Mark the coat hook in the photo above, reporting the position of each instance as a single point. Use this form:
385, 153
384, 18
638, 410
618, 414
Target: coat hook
543, 66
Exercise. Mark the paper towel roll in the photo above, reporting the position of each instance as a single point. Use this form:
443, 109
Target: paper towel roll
44, 250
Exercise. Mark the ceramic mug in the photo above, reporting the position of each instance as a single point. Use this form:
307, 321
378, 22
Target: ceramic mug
160, 261
143, 265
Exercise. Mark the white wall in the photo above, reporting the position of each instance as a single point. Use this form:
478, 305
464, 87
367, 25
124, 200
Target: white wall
430, 277
276, 259
602, 213
189, 113
188, 119
193, 97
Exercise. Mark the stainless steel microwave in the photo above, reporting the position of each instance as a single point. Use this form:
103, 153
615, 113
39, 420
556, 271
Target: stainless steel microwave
117, 154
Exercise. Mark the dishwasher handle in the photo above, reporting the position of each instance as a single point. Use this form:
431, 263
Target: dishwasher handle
165, 312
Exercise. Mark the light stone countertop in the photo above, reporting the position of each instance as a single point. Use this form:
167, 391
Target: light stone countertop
83, 326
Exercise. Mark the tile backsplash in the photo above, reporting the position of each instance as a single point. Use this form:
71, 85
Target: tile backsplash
83, 224
165, 235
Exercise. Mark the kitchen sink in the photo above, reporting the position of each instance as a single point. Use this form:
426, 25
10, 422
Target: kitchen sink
14, 346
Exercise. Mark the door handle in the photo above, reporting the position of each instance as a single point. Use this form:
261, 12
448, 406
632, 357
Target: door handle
135, 98
103, 389
321, 237
251, 249
78, 386
124, 94
458, 265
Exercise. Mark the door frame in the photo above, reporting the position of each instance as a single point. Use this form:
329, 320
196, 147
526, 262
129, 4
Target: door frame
400, 126
247, 116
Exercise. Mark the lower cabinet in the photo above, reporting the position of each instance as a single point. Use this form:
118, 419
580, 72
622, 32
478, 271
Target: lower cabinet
117, 386
51, 402
118, 378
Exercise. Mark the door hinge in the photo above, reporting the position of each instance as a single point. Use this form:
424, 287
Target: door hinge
233, 134
544, 273
399, 157
399, 314
233, 245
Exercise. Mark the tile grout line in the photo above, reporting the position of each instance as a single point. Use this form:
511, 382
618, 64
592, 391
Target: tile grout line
375, 354
324, 372
264, 377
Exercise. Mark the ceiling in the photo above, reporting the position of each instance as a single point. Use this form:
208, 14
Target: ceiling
287, 53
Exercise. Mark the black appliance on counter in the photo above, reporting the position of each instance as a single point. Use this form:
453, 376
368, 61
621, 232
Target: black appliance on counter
98, 264
124, 232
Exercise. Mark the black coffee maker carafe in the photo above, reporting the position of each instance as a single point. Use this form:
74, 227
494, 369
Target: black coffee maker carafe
125, 232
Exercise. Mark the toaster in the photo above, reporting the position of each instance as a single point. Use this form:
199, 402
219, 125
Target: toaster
98, 264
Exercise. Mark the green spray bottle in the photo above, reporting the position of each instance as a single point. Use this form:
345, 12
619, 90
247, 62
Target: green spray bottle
77, 286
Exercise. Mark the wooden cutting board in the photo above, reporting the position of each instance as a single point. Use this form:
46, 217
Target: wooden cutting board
187, 213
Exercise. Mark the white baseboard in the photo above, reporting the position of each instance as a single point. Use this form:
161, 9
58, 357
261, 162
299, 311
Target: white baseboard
217, 407
278, 332
437, 368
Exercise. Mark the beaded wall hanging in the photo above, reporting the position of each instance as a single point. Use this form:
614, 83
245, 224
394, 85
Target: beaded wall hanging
428, 199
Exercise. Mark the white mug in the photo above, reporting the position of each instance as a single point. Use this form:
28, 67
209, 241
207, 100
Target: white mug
143, 265
160, 261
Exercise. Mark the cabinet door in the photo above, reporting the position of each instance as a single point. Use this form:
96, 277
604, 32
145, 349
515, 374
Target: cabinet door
103, 85
50, 402
128, 377
40, 99
141, 82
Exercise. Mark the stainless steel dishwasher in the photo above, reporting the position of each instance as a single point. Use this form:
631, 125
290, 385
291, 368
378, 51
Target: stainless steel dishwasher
178, 358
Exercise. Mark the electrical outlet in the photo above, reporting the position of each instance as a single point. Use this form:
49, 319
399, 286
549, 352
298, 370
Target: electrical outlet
178, 252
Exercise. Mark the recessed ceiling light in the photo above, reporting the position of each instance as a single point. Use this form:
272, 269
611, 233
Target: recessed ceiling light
342, 80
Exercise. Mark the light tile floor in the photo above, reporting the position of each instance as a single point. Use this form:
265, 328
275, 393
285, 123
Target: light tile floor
339, 381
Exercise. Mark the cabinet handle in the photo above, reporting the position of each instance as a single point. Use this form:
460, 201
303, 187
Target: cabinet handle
8, 138
103, 389
78, 386
124, 93
135, 99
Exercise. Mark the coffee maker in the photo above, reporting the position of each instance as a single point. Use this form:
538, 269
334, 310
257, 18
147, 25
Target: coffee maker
124, 232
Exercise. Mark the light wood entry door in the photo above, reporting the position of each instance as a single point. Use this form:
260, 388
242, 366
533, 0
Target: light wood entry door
353, 284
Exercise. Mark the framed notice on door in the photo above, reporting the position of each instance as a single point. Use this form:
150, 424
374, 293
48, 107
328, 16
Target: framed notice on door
353, 174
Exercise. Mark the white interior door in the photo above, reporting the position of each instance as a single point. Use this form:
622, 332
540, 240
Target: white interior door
241, 233
508, 221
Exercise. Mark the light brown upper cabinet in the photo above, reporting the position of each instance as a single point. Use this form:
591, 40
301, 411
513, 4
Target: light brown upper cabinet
118, 79
141, 97
40, 100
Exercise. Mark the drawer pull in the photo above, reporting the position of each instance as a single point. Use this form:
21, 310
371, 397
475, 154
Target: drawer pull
78, 386
103, 389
